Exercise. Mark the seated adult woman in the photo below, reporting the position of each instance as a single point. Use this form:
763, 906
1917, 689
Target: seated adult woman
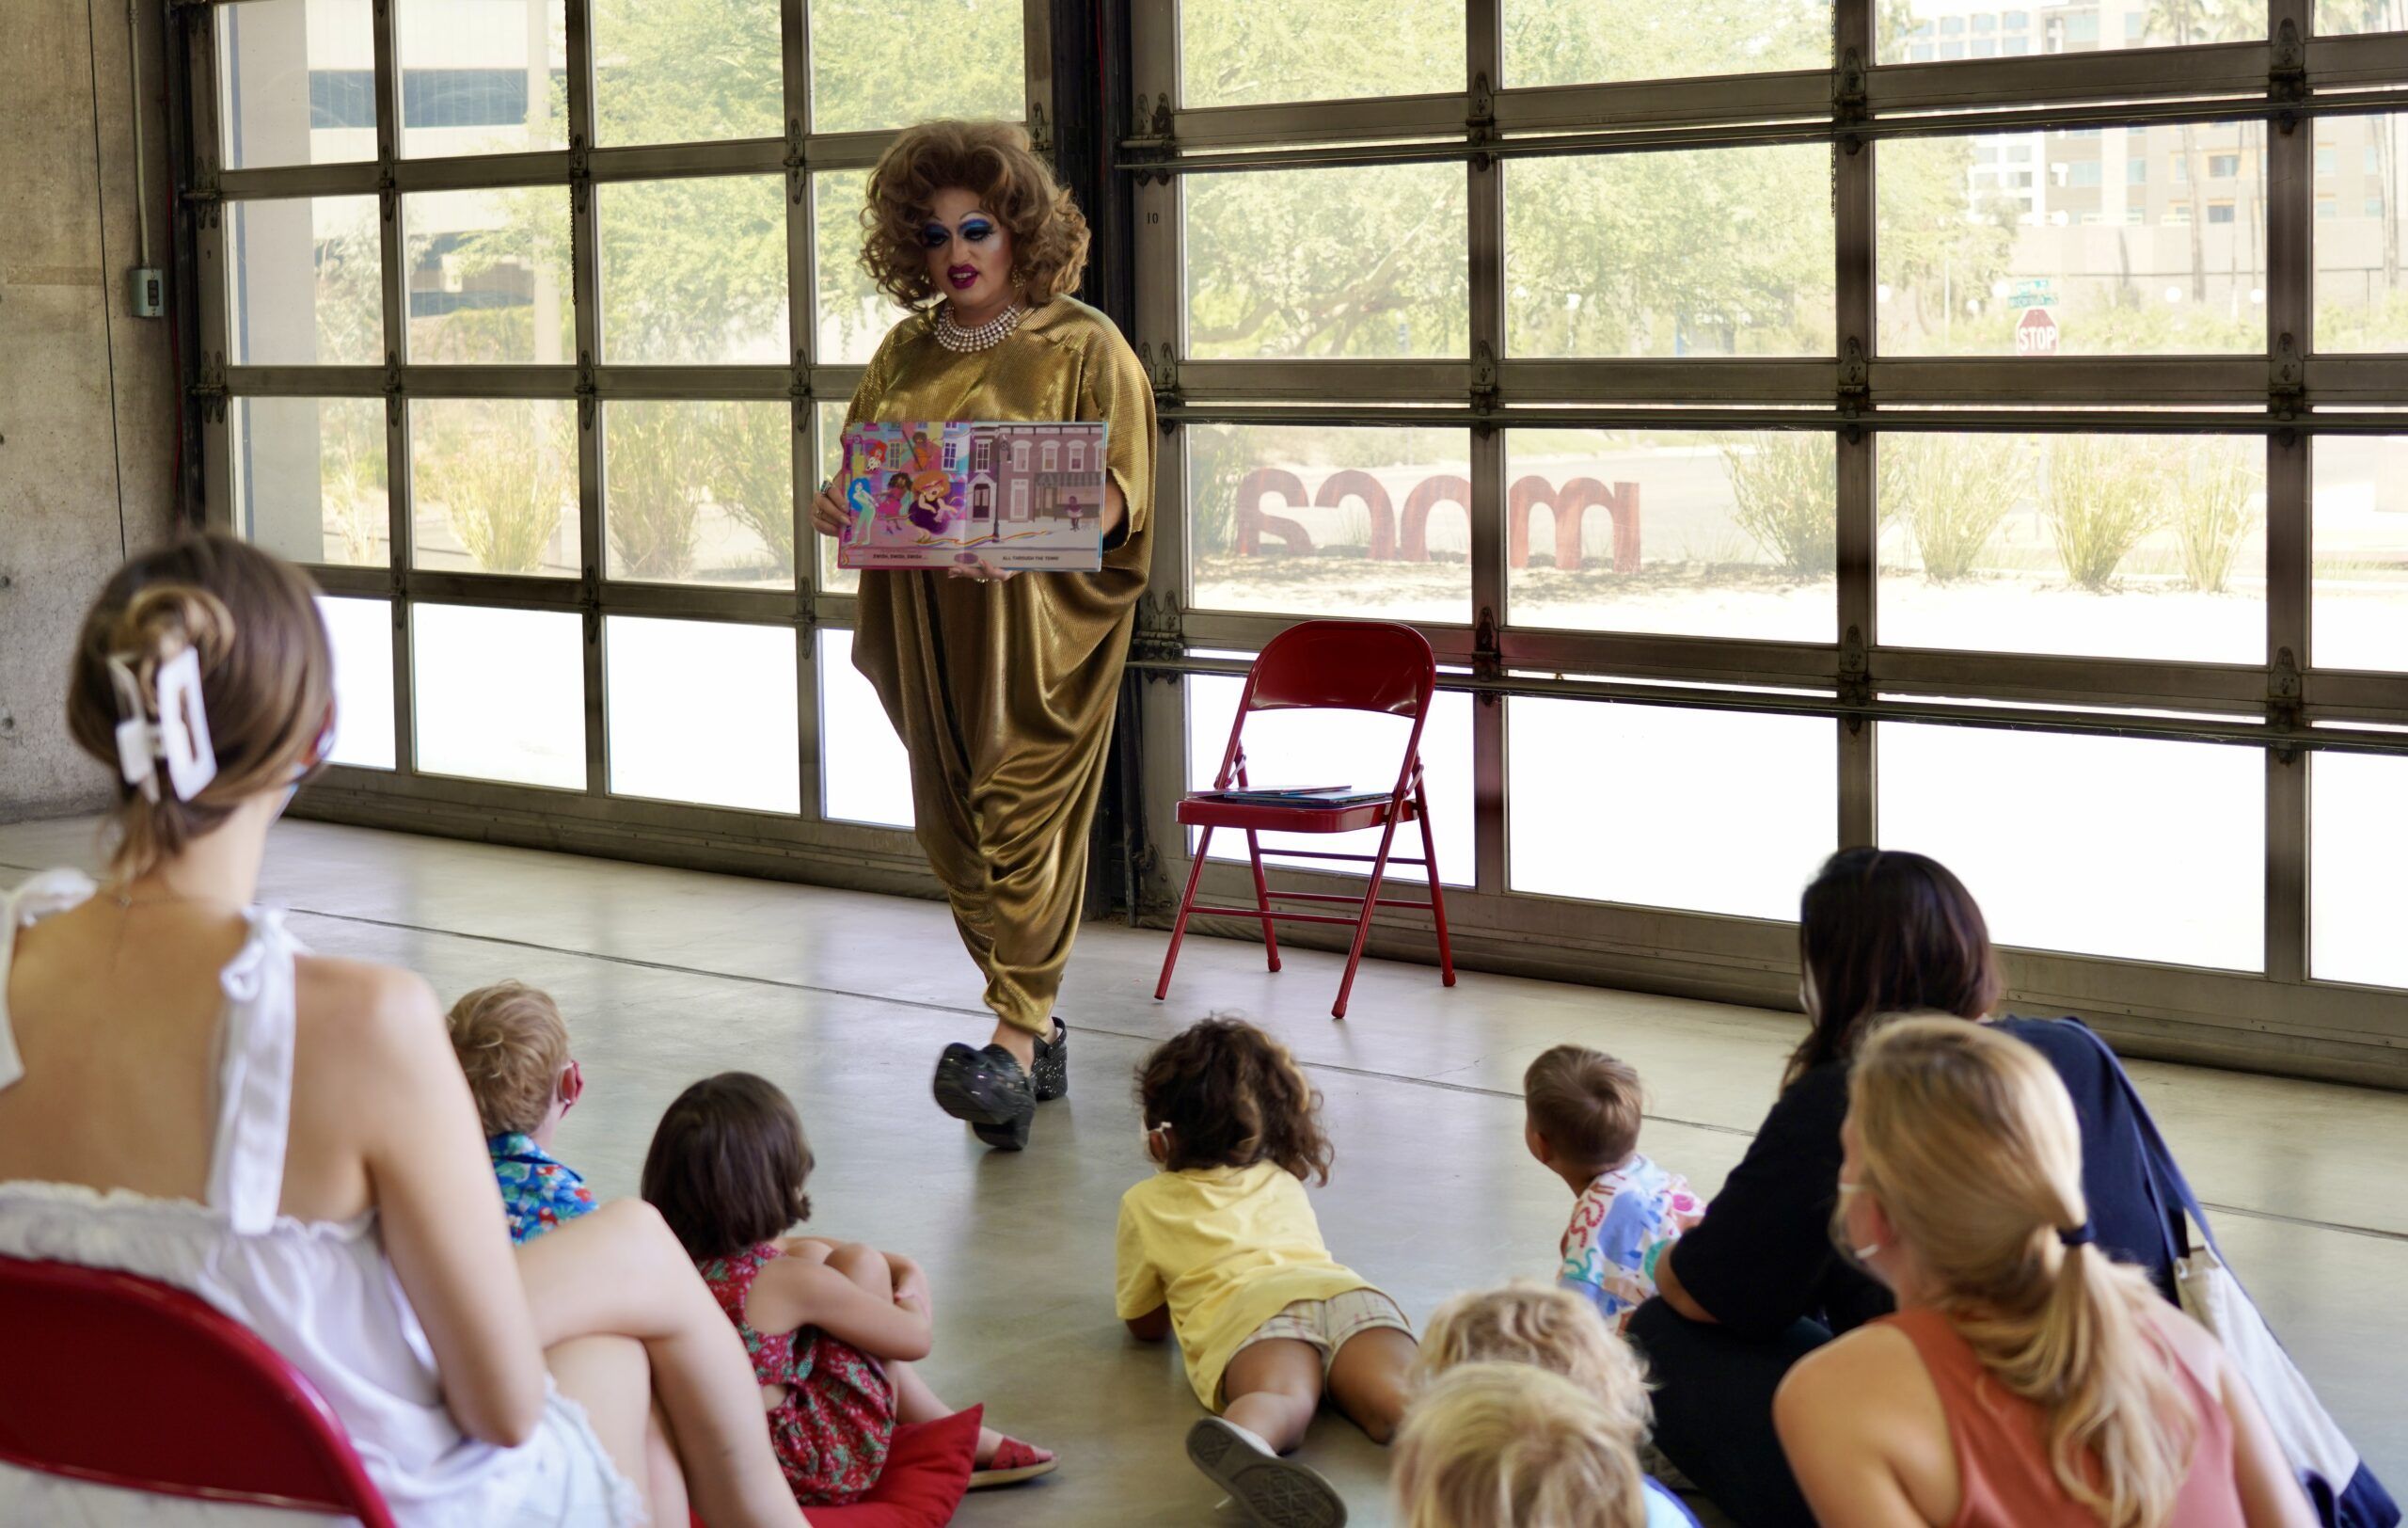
2027, 1380
1756, 1285
186, 1094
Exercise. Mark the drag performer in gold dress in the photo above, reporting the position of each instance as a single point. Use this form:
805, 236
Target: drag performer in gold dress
1002, 686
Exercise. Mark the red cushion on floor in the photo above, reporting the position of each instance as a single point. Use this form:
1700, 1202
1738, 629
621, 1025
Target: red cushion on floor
928, 1471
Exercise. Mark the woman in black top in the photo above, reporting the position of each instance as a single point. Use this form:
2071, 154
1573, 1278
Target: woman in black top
1757, 1284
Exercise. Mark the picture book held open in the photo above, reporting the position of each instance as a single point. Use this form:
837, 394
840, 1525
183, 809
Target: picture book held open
940, 493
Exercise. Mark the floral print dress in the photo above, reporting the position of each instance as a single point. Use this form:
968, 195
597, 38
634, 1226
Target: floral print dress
833, 1429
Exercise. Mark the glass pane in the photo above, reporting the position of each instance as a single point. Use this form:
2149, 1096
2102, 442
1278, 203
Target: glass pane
494, 485
2101, 846
1241, 53
2112, 545
1926, 31
679, 72
2360, 300
1578, 41
483, 76
1601, 254
2339, 17
488, 276
1307, 520
2097, 242
310, 479
2357, 841
1341, 748
1707, 535
1663, 807
833, 580
702, 712
856, 87
305, 285
694, 271
296, 81
500, 693
865, 775
699, 492
1289, 262
362, 634
2360, 550
853, 314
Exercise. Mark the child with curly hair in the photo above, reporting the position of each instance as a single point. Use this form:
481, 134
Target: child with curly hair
1221, 1248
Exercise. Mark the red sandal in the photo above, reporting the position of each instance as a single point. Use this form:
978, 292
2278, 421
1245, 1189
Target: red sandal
1012, 1462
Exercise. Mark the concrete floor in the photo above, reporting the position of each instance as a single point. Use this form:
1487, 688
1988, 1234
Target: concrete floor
844, 1000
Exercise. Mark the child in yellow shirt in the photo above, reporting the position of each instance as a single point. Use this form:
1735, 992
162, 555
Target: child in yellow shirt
1222, 1247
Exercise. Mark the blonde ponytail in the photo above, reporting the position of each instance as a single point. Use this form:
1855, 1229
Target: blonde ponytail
1970, 1144
266, 682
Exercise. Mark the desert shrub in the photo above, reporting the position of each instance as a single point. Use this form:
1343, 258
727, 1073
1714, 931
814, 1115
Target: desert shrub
1786, 484
2102, 496
503, 484
2214, 512
1952, 490
747, 463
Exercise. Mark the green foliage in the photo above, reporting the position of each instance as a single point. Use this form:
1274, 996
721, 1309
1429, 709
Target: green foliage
1933, 254
2101, 496
1342, 263
747, 461
2213, 508
1952, 490
652, 487
1238, 53
1787, 488
1577, 44
502, 479
351, 476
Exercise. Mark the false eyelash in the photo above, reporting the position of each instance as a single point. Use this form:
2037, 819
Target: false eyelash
934, 238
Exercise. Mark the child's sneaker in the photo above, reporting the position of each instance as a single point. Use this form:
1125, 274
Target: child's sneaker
1278, 1492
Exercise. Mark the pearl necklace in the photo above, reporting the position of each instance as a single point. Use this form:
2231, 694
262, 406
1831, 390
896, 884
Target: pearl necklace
985, 337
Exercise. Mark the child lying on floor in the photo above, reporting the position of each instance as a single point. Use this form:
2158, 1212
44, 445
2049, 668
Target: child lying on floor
512, 1046
1221, 1247
831, 1326
1582, 1122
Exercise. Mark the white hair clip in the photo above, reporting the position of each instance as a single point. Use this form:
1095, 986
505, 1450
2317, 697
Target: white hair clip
180, 737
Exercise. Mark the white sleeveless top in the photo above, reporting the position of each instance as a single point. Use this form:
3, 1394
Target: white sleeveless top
321, 1293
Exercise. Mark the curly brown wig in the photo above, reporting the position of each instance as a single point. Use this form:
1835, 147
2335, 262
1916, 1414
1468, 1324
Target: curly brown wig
994, 161
1232, 1096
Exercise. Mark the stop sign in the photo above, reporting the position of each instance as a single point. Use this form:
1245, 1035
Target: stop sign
2035, 333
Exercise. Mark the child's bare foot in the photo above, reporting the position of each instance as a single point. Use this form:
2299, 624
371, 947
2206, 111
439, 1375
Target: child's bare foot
1007, 1461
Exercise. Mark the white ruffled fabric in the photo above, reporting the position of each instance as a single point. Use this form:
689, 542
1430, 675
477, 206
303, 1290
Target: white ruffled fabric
321, 1293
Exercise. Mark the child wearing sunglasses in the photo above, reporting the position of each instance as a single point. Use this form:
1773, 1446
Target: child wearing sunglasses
513, 1048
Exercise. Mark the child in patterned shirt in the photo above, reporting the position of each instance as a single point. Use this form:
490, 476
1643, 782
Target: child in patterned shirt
513, 1046
1582, 1112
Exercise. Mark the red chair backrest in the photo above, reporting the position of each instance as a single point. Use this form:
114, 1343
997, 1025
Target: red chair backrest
116, 1379
1344, 665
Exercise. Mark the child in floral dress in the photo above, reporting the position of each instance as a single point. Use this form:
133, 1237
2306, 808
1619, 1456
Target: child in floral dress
512, 1047
1582, 1123
832, 1327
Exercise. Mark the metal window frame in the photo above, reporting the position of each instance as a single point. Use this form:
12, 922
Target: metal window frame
806, 845
2289, 394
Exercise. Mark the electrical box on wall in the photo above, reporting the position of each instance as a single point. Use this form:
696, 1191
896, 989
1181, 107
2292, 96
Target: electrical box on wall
149, 293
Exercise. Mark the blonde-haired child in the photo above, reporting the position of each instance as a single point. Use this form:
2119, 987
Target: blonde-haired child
1558, 1331
512, 1046
1509, 1446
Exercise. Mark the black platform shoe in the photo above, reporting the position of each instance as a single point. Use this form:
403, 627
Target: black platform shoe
987, 1090
1050, 1076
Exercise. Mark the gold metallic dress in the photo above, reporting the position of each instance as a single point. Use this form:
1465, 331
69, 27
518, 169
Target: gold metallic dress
1003, 692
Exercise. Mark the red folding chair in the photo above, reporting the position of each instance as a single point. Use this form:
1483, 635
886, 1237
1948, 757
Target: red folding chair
125, 1381
1325, 665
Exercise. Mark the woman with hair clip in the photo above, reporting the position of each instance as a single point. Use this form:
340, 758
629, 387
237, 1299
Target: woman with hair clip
2028, 1380
187, 1094
1755, 1285
1002, 687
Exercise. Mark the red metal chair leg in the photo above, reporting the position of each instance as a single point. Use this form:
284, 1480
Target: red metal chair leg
1363, 924
1262, 899
1437, 896
1178, 927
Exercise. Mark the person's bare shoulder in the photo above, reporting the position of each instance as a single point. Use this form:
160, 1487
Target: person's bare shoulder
358, 1018
1862, 1383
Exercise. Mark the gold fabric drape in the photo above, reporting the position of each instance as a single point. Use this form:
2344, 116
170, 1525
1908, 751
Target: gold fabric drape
1004, 693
